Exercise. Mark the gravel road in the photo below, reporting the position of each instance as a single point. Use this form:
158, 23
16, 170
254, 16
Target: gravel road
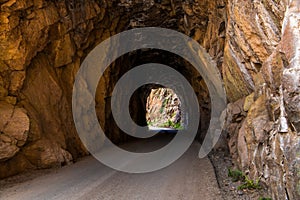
189, 178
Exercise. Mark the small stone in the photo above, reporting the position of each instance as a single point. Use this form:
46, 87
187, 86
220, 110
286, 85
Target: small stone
240, 192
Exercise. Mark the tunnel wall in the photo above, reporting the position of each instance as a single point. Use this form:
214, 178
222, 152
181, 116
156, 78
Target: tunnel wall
42, 46
254, 43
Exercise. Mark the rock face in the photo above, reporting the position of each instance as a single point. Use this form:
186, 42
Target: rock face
14, 128
262, 61
255, 44
38, 59
163, 109
42, 44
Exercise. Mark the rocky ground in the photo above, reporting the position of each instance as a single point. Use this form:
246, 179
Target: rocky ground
222, 162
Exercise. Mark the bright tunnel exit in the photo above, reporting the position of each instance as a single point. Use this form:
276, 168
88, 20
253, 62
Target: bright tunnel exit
163, 110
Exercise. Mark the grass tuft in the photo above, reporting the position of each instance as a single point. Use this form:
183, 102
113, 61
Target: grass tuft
247, 183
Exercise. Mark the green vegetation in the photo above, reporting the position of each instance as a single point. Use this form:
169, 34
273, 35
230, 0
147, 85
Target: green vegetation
178, 126
247, 183
170, 124
149, 123
236, 175
264, 198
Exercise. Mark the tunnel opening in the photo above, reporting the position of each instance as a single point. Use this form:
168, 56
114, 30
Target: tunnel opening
44, 43
140, 104
163, 110
63, 42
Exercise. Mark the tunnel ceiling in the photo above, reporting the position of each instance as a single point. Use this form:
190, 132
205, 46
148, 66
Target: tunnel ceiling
253, 43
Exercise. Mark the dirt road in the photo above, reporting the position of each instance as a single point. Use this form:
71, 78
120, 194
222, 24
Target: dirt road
189, 178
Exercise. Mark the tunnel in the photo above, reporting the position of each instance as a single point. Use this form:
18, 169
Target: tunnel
43, 45
139, 98
43, 88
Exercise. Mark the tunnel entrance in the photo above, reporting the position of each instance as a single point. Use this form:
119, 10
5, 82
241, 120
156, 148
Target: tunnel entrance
63, 42
142, 111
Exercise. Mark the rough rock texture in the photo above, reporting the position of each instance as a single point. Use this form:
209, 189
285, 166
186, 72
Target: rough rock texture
254, 30
42, 44
14, 128
163, 109
262, 60
254, 43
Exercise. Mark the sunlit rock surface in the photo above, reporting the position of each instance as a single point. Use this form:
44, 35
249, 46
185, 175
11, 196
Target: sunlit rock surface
255, 44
